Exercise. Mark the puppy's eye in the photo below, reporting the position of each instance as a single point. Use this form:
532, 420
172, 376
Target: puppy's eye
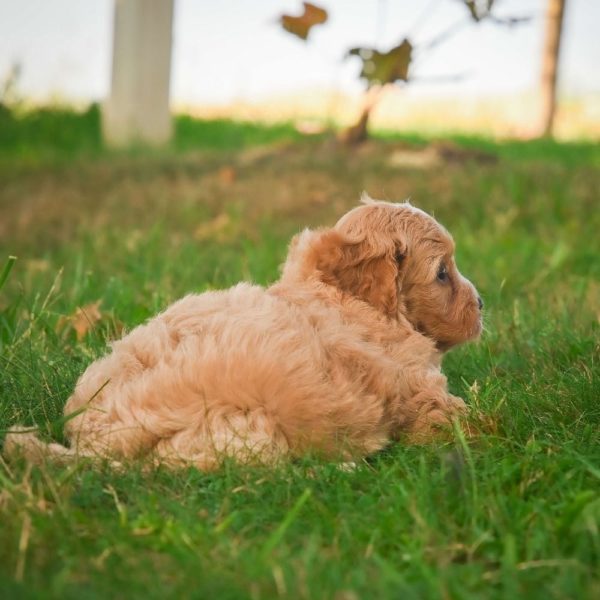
399, 256
442, 274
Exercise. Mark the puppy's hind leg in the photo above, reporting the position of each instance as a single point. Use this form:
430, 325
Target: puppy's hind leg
243, 437
21, 442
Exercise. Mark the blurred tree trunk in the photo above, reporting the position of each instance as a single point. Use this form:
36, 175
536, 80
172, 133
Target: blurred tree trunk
554, 19
358, 133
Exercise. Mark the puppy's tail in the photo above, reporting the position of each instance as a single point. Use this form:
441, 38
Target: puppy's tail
21, 442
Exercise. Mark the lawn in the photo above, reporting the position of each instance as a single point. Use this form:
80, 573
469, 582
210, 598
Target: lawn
512, 513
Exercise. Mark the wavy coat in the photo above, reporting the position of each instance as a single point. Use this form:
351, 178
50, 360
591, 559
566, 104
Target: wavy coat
339, 357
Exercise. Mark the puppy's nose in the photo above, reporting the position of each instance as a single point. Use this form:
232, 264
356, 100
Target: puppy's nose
479, 302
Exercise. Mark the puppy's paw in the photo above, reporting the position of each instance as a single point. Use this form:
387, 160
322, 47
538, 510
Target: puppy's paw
432, 416
456, 406
21, 442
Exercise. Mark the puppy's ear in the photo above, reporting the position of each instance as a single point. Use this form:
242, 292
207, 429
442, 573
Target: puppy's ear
358, 266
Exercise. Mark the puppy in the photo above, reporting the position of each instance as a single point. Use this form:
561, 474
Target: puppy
338, 358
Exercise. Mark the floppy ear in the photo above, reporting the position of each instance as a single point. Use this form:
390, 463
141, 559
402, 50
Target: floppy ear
358, 266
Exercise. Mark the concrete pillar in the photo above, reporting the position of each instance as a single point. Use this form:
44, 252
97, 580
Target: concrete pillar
137, 110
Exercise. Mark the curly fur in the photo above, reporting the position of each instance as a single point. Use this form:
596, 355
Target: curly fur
338, 357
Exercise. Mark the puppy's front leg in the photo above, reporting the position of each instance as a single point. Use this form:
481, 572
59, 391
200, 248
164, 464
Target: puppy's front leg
430, 413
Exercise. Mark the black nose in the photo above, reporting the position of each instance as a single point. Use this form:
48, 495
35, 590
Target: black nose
480, 302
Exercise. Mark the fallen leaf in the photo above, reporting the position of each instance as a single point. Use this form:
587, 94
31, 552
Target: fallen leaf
81, 321
85, 318
227, 175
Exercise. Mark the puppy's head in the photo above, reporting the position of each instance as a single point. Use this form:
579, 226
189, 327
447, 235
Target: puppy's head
399, 260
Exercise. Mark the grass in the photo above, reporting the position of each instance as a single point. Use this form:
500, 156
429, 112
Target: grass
59, 135
510, 514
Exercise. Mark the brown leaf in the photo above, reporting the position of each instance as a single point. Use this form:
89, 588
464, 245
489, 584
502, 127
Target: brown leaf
301, 26
379, 68
227, 175
81, 321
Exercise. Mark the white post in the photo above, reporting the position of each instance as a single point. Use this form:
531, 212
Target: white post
137, 109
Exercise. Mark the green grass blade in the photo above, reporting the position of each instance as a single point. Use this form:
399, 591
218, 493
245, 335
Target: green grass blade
6, 270
278, 534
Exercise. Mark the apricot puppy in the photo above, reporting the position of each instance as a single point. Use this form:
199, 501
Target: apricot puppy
338, 357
